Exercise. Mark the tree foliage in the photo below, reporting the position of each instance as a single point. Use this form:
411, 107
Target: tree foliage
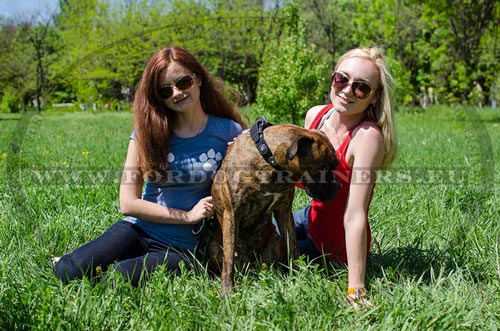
17, 68
291, 78
93, 51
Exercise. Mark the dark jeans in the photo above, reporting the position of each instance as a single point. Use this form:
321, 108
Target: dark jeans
129, 250
304, 241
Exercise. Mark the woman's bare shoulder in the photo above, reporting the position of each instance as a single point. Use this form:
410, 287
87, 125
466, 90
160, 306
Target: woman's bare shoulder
311, 115
368, 130
368, 143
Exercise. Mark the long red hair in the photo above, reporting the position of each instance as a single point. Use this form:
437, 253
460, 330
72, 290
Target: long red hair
153, 120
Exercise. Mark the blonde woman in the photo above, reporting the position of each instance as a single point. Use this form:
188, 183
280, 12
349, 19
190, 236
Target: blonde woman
359, 124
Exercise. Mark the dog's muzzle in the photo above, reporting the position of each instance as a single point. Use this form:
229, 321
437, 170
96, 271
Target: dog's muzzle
323, 189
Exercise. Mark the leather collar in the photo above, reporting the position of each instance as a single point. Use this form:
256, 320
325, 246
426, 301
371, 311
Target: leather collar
257, 134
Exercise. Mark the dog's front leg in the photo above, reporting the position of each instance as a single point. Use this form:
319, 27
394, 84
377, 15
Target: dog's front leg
286, 225
229, 233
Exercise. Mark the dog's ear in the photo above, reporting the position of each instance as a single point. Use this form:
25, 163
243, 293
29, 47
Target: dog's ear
299, 146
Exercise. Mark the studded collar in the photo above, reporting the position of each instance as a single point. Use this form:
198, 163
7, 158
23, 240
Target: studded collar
257, 134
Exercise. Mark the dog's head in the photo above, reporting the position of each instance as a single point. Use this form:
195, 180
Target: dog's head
313, 161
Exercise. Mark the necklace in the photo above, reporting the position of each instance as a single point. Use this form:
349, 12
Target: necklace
326, 118
336, 137
202, 124
334, 128
192, 130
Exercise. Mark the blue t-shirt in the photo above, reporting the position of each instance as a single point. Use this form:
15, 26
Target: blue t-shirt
192, 163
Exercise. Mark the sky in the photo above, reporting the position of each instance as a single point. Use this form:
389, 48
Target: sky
26, 9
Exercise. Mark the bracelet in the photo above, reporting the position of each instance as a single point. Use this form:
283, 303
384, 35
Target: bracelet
358, 292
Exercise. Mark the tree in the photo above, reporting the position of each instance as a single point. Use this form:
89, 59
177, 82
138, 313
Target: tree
468, 21
489, 66
291, 79
38, 37
329, 26
238, 33
17, 70
457, 28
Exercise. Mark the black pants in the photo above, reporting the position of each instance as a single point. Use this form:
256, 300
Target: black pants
129, 250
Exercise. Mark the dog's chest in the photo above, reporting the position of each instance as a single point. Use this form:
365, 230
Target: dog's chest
273, 199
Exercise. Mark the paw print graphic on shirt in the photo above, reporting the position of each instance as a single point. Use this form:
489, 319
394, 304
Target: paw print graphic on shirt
210, 160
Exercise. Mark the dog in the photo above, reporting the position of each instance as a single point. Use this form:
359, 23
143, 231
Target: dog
255, 181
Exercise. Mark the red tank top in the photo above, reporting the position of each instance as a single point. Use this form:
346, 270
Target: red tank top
326, 219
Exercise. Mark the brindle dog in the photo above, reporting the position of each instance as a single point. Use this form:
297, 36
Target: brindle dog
256, 182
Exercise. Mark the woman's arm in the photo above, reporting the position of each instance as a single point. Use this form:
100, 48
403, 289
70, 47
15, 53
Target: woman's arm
131, 203
366, 152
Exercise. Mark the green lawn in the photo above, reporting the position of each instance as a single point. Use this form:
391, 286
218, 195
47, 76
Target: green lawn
435, 261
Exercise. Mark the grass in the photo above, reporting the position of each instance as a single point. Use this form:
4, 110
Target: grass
434, 217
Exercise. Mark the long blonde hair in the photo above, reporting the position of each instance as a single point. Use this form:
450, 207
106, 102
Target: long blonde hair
381, 111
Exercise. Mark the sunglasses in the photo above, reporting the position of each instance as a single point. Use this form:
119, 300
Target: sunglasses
359, 89
182, 83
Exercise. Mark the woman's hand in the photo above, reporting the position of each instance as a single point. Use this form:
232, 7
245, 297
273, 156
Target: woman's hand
229, 143
203, 209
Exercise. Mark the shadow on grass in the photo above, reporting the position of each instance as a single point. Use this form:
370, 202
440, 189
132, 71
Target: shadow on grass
413, 261
409, 262
394, 264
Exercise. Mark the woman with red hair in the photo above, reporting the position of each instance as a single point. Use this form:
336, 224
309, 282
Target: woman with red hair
182, 124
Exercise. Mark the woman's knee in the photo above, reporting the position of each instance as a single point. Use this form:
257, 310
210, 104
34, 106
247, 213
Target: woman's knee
67, 269
139, 269
131, 270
